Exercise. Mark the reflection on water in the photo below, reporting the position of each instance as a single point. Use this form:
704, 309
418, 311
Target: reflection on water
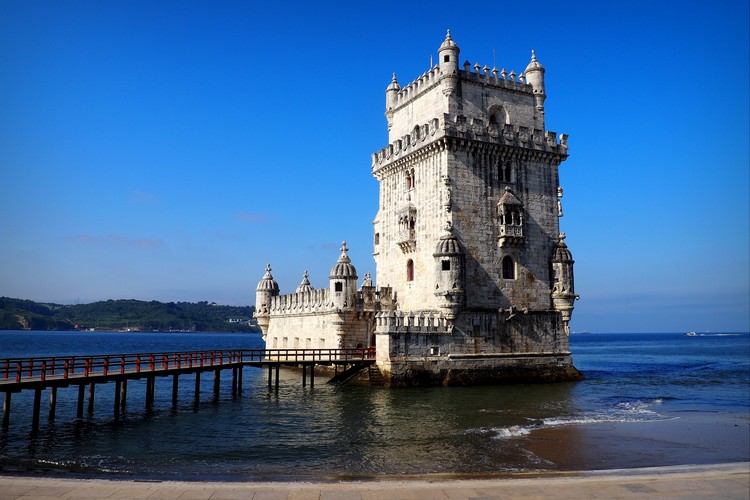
334, 432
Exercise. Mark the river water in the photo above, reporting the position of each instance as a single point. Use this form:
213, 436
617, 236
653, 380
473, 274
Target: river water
648, 399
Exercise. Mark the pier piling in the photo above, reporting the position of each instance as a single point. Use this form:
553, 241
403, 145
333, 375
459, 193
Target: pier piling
37, 404
52, 402
79, 407
6, 410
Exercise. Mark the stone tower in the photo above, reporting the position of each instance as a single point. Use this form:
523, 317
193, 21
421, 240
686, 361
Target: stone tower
474, 279
467, 232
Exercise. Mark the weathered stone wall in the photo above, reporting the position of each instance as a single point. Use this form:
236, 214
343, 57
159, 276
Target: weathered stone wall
323, 330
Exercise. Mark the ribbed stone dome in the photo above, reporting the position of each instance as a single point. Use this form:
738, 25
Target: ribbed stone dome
561, 253
534, 64
448, 244
448, 43
343, 268
305, 285
267, 284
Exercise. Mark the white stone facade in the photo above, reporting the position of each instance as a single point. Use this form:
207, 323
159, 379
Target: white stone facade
476, 282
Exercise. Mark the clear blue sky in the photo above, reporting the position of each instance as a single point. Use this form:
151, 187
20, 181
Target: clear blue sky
168, 150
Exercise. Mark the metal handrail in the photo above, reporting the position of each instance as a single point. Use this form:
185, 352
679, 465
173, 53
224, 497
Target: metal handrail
105, 364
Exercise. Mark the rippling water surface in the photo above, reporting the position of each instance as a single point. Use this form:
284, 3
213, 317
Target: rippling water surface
337, 432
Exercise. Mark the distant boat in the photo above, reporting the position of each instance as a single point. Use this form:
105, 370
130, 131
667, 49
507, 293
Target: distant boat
690, 334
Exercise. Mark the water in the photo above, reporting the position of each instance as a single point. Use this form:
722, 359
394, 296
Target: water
634, 382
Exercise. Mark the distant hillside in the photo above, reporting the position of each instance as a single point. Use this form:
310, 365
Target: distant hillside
134, 315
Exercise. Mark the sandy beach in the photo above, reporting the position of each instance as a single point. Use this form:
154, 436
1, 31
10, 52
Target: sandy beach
702, 481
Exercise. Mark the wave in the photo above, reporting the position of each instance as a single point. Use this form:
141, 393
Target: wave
625, 411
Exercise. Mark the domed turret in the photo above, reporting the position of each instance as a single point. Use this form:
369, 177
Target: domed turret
391, 95
449, 265
343, 281
266, 289
305, 285
535, 77
448, 60
563, 291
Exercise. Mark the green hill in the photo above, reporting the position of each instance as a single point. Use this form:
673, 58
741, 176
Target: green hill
134, 315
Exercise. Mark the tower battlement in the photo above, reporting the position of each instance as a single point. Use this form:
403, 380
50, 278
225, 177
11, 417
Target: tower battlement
459, 127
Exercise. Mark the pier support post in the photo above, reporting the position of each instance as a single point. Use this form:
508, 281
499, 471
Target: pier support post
6, 410
52, 402
234, 381
118, 389
217, 384
150, 386
35, 415
81, 394
239, 379
304, 376
277, 377
270, 377
197, 387
175, 387
124, 399
312, 375
91, 398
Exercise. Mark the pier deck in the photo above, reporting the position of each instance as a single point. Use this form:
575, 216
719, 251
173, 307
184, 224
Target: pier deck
40, 373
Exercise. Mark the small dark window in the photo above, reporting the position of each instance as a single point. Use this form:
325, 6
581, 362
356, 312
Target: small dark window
446, 58
509, 268
339, 287
410, 270
446, 265
377, 238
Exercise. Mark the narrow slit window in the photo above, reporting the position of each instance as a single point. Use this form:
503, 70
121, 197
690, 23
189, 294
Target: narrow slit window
410, 270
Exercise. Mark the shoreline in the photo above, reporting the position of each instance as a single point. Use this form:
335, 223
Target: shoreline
727, 480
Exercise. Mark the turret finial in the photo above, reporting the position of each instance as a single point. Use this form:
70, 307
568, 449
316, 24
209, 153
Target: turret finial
533, 55
343, 247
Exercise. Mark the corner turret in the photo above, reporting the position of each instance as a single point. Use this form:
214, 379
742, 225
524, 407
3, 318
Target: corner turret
449, 272
391, 96
266, 289
563, 290
535, 77
343, 281
448, 61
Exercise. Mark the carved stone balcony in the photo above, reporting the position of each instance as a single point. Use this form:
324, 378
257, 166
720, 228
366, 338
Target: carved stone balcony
510, 235
406, 240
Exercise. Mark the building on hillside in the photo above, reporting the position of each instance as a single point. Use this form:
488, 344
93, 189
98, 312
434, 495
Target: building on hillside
475, 281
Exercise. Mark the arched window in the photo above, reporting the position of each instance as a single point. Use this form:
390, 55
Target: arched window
509, 268
410, 270
377, 238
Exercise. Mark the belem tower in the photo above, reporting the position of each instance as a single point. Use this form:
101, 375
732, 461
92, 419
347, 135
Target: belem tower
474, 281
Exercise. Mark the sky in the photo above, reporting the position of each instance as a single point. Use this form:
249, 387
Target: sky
169, 150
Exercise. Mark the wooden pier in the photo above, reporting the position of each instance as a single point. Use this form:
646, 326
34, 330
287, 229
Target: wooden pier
42, 373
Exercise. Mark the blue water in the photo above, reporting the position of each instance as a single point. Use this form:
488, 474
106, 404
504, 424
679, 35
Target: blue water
341, 432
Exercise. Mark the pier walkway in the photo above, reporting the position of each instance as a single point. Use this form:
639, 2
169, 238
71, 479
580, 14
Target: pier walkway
41, 373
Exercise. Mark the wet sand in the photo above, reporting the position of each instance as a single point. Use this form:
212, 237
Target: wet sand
686, 438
